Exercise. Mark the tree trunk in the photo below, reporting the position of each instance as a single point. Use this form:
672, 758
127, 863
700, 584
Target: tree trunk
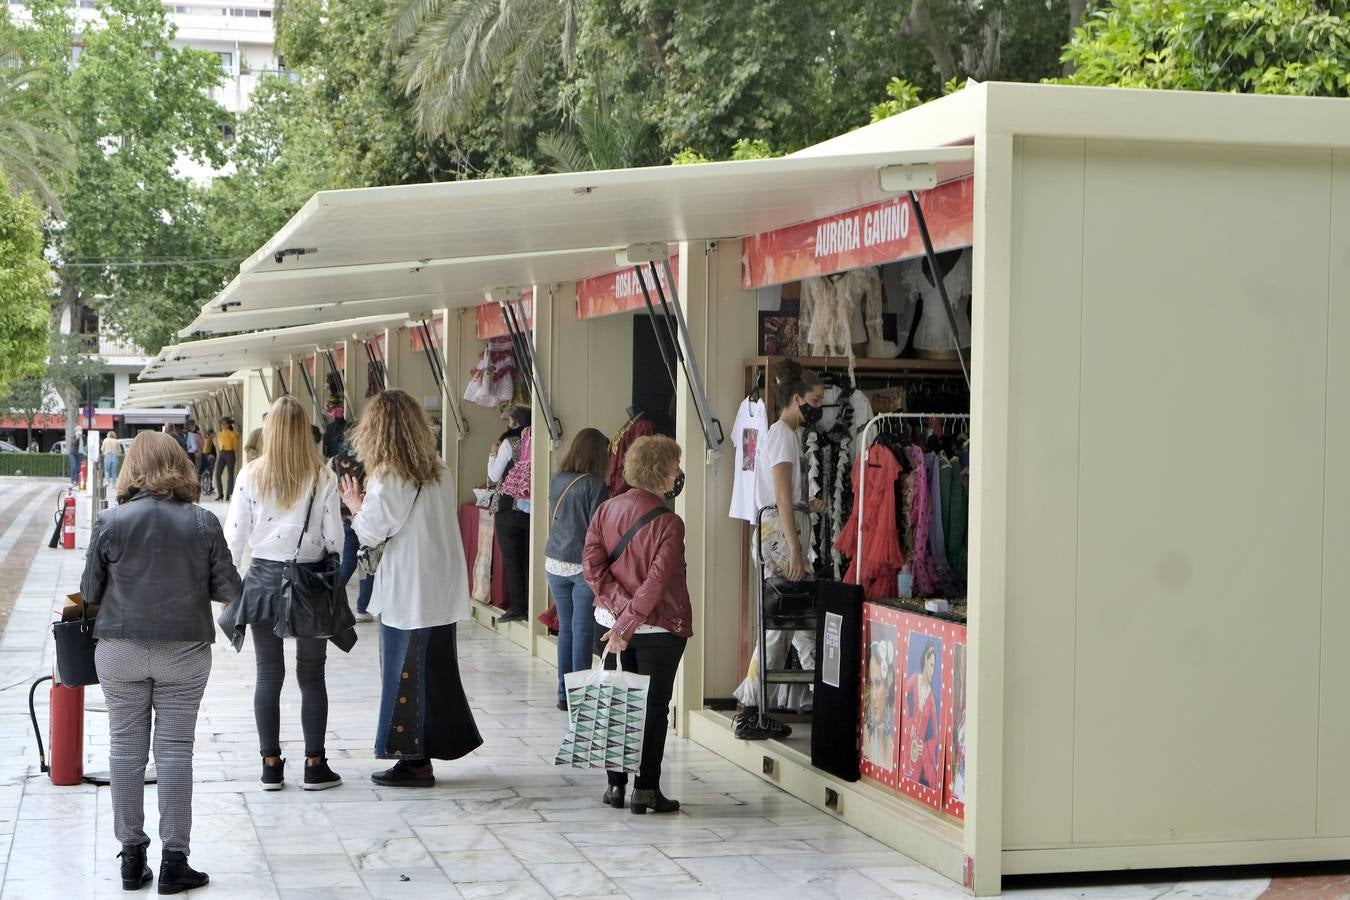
919, 22
1077, 10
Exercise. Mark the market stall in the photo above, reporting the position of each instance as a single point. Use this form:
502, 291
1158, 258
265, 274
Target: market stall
1149, 275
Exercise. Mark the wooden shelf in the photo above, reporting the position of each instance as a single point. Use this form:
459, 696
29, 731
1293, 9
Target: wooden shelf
926, 366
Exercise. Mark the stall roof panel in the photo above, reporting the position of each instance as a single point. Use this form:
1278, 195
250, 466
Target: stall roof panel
144, 393
530, 216
228, 354
212, 322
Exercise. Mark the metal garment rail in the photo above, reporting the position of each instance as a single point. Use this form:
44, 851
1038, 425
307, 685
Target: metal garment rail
267, 388
438, 374
678, 333
513, 312
864, 445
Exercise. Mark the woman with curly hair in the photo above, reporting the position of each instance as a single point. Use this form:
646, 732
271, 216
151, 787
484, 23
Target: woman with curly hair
421, 589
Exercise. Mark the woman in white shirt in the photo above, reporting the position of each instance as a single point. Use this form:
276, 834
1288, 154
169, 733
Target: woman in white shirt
784, 532
421, 589
276, 494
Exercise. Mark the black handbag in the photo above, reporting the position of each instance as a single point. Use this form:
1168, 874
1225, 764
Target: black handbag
313, 603
75, 644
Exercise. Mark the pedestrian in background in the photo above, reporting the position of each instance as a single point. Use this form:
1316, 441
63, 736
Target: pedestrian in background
155, 563
278, 493
345, 464
227, 451
112, 457
76, 452
421, 589
509, 469
575, 493
207, 465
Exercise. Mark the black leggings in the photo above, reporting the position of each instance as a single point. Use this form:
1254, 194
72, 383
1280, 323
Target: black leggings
513, 534
657, 655
310, 654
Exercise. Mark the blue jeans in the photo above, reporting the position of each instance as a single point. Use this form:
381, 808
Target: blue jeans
576, 624
350, 545
112, 463
75, 459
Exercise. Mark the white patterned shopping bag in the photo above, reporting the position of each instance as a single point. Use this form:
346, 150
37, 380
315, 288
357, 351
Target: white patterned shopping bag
607, 712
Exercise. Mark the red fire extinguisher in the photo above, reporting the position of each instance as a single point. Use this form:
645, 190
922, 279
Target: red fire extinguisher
84, 474
68, 523
67, 732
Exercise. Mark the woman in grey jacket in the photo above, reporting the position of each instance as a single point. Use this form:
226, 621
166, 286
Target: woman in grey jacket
574, 494
154, 565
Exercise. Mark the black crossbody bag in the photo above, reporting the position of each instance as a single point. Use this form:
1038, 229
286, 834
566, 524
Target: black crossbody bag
313, 604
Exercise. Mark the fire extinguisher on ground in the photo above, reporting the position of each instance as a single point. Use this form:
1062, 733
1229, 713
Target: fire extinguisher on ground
68, 522
67, 732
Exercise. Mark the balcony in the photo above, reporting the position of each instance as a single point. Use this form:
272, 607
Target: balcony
112, 348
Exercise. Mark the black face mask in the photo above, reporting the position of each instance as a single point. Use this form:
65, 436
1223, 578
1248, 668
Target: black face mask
810, 414
677, 489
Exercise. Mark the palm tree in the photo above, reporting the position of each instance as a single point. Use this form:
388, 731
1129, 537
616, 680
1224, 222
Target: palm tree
608, 135
36, 150
449, 53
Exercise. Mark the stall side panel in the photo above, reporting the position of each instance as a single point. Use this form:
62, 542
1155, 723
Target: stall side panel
1333, 775
1043, 493
1200, 525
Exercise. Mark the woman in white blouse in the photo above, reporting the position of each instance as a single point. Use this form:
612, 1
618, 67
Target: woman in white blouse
421, 589
287, 485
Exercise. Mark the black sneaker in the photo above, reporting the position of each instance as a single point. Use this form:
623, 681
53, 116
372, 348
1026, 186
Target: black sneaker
273, 777
761, 728
405, 775
320, 778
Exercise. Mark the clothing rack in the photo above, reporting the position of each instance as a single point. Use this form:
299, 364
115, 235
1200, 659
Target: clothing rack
864, 444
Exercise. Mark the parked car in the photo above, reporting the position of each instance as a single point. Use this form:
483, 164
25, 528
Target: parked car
58, 447
7, 447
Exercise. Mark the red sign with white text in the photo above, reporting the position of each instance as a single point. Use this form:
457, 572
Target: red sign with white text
880, 233
491, 324
621, 291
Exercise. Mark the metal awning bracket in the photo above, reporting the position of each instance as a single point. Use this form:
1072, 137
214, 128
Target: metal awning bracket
642, 254
913, 177
508, 299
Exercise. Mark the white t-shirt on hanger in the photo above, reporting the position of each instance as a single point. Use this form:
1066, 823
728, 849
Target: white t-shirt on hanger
779, 445
751, 423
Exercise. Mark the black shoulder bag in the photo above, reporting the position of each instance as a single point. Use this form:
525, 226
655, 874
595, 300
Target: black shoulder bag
313, 603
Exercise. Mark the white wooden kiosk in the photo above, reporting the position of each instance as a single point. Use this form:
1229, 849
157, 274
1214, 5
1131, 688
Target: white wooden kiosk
1160, 505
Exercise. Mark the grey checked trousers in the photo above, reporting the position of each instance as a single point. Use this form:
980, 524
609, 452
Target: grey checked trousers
169, 678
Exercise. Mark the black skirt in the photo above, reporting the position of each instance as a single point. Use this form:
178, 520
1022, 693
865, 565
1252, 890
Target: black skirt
423, 711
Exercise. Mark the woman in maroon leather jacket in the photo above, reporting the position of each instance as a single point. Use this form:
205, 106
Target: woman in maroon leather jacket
642, 599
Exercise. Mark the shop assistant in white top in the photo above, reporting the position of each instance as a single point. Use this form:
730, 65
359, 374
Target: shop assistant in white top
272, 532
780, 445
422, 581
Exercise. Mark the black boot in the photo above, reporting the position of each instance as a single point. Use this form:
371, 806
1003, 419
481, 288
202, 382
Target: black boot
613, 796
176, 876
654, 800
135, 873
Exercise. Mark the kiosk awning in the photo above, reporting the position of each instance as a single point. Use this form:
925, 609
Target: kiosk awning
165, 393
223, 355
447, 242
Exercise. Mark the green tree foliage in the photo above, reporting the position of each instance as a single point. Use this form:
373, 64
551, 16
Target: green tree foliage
26, 399
25, 283
36, 153
1251, 46
452, 53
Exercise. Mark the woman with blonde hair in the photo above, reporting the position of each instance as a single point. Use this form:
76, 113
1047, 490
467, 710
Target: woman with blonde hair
285, 508
407, 508
155, 563
634, 561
